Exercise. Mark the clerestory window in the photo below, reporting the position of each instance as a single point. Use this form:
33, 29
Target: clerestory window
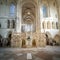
12, 10
45, 11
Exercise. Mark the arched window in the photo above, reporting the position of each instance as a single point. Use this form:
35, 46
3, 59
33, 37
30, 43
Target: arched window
48, 25
12, 9
0, 25
44, 25
13, 23
56, 25
45, 11
8, 23
53, 25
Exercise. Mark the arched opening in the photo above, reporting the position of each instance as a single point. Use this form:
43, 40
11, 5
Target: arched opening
9, 39
53, 25
23, 43
56, 25
48, 38
57, 39
45, 11
33, 43
0, 41
28, 23
48, 25
28, 17
12, 9
44, 25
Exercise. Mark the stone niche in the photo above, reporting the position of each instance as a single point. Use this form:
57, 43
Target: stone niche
20, 40
15, 41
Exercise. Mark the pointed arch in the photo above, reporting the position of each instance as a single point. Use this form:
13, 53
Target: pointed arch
48, 25
12, 9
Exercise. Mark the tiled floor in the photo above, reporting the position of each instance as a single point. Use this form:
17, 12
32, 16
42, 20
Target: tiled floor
47, 53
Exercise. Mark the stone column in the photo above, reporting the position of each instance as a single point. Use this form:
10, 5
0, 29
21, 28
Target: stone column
38, 22
18, 22
16, 37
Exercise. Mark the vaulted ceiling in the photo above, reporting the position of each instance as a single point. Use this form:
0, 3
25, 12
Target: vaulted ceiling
28, 12
1, 1
58, 1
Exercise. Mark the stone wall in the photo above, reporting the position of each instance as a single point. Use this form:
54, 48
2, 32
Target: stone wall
15, 41
37, 40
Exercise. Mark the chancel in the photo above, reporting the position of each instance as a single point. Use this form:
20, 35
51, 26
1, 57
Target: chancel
29, 23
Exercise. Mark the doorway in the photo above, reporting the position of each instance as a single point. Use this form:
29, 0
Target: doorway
34, 43
23, 43
9, 38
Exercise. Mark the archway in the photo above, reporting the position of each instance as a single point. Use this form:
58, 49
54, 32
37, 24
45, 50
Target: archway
53, 25
44, 25
23, 43
49, 25
28, 16
9, 38
48, 38
34, 43
57, 39
28, 21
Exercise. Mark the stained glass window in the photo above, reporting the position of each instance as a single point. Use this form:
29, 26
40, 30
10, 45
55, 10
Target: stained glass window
45, 12
12, 9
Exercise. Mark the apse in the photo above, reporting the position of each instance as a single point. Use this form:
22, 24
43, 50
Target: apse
28, 17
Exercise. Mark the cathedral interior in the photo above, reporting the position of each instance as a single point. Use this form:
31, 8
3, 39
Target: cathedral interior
29, 23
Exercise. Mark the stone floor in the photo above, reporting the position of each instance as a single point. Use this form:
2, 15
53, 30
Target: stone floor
43, 53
